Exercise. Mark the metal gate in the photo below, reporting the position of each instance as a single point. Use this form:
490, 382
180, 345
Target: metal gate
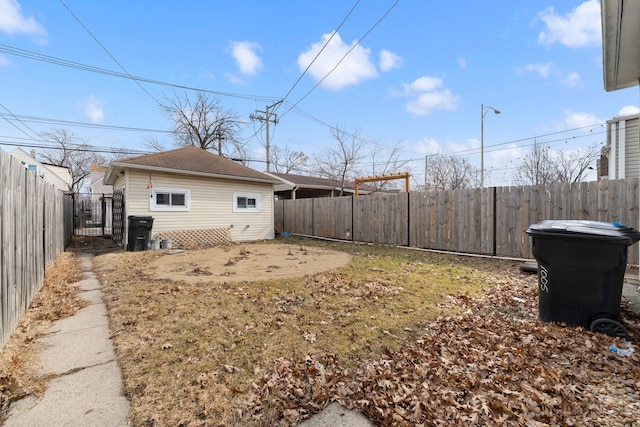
117, 234
92, 214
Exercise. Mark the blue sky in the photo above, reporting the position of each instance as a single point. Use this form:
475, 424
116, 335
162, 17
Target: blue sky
418, 73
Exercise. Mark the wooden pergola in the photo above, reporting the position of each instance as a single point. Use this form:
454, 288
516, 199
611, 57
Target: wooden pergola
404, 176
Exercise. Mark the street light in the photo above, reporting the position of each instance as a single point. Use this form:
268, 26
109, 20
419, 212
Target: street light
483, 112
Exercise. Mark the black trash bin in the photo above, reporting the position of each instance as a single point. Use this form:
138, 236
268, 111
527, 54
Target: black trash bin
581, 267
139, 233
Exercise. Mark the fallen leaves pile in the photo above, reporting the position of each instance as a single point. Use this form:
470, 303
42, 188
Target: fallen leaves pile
495, 364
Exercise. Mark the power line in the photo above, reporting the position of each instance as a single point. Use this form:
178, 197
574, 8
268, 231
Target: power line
346, 54
14, 125
44, 120
107, 51
10, 50
322, 49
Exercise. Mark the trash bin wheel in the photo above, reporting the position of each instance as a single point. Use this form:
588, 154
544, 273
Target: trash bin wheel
609, 327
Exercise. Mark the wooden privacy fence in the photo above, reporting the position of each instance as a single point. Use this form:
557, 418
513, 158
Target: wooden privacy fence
36, 223
489, 221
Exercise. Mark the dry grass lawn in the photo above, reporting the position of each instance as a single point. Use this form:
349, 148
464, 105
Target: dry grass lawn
192, 351
407, 337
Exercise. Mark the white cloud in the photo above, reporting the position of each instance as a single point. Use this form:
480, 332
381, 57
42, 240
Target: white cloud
579, 28
246, 57
428, 96
628, 110
546, 69
94, 109
573, 80
423, 84
541, 68
574, 120
462, 63
427, 102
389, 60
427, 146
234, 79
354, 68
12, 21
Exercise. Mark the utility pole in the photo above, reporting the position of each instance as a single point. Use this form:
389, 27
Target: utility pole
267, 119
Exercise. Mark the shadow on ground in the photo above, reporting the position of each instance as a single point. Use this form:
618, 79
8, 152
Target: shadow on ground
94, 245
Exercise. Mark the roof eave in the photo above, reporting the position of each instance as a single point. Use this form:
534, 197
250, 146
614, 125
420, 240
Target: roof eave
620, 47
116, 167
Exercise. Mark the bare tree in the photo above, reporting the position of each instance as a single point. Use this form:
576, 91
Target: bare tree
285, 160
152, 143
205, 123
74, 153
574, 165
544, 166
386, 161
537, 167
341, 161
449, 173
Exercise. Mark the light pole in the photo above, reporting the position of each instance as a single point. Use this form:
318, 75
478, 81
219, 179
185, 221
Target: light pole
483, 112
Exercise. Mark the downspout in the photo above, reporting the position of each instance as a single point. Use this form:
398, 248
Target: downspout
293, 192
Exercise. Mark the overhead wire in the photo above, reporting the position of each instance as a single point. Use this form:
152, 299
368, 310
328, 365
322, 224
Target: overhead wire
19, 121
355, 44
321, 50
107, 51
43, 120
10, 50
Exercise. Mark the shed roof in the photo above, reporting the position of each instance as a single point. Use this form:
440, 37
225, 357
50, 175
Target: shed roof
308, 181
189, 160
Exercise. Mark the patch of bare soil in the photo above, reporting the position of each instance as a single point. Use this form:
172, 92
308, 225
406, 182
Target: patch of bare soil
246, 262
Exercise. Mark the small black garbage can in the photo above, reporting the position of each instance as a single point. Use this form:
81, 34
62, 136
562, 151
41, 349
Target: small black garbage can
581, 266
139, 233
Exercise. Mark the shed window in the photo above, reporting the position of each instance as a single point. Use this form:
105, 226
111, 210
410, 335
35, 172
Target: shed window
246, 202
163, 199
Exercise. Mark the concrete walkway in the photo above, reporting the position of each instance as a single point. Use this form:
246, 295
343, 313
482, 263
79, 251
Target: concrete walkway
86, 385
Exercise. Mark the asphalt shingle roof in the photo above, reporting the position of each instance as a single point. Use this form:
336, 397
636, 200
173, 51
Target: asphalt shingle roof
194, 159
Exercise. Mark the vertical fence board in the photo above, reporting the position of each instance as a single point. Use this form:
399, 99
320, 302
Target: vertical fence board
463, 220
33, 231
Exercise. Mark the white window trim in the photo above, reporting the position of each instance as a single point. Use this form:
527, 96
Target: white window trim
249, 196
156, 208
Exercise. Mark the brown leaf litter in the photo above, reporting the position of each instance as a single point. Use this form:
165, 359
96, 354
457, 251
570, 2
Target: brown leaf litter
493, 365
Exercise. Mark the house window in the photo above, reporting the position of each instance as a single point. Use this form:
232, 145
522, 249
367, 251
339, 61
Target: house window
33, 168
246, 202
165, 199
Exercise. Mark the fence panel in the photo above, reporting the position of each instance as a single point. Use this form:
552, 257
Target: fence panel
298, 216
33, 231
488, 221
381, 218
333, 217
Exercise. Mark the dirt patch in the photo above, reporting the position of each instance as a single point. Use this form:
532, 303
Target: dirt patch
247, 262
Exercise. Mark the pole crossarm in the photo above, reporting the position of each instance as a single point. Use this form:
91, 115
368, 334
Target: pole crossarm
267, 118
389, 177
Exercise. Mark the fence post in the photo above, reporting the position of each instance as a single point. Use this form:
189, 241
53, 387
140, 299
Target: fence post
408, 219
495, 221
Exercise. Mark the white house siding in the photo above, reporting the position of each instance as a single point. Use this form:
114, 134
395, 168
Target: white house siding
57, 176
211, 204
624, 147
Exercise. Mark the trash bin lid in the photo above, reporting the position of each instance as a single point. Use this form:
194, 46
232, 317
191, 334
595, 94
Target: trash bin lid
585, 229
